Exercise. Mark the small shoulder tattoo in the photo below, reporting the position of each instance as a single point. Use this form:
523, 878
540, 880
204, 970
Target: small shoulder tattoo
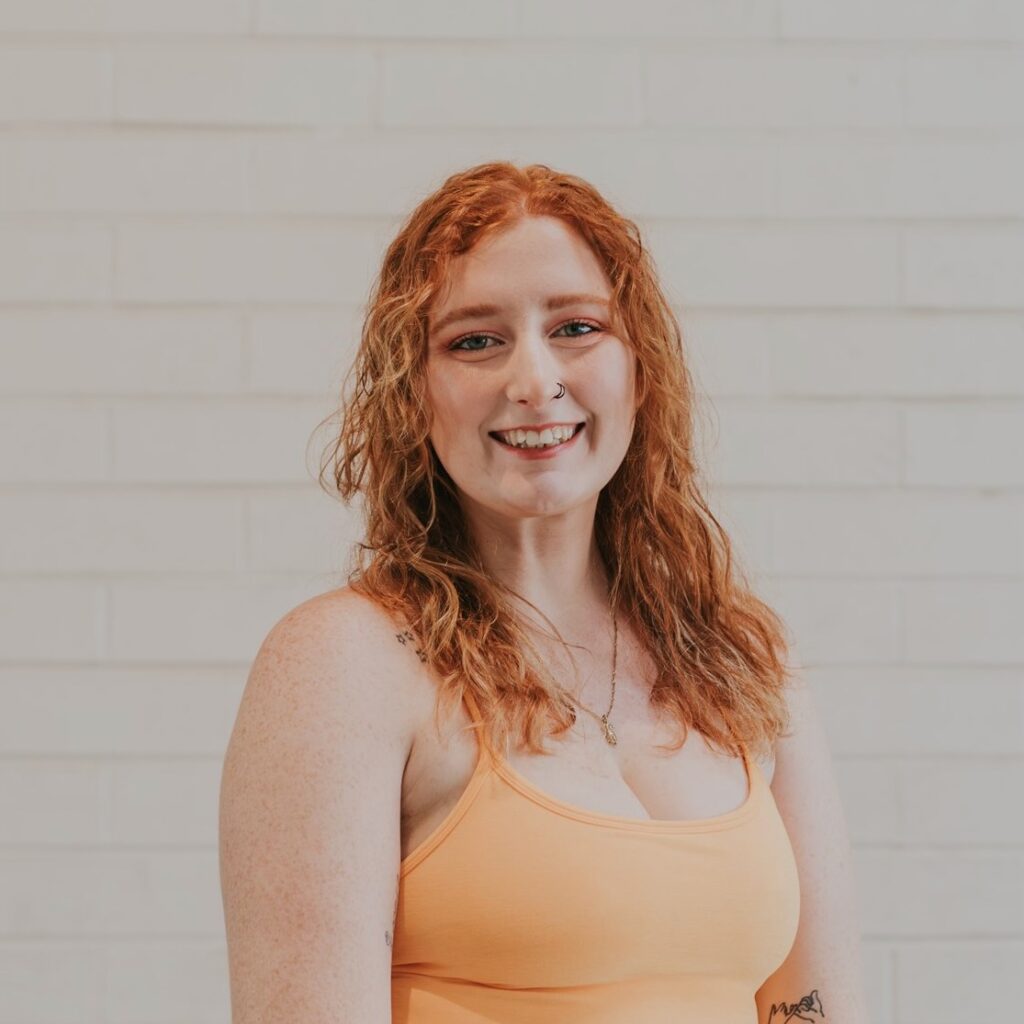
406, 637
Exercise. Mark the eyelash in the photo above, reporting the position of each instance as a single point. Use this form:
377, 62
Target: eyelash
568, 323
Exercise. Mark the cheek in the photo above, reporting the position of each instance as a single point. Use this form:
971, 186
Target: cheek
450, 395
459, 409
439, 401
610, 397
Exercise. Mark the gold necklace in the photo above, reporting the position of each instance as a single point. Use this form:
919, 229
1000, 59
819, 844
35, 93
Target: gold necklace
606, 726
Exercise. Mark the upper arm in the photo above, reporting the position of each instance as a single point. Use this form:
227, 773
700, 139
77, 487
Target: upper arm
310, 808
825, 958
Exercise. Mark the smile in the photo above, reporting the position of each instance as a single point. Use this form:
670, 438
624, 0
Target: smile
541, 453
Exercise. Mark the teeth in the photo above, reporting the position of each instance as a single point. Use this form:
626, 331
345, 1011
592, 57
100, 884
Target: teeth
532, 439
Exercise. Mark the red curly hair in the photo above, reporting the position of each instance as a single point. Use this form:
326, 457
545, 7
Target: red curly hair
719, 650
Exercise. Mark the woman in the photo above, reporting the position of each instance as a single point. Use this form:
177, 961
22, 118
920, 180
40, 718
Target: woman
521, 767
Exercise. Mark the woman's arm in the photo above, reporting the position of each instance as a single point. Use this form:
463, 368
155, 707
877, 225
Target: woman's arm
821, 978
310, 805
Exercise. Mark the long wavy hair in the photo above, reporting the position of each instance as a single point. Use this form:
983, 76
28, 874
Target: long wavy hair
718, 649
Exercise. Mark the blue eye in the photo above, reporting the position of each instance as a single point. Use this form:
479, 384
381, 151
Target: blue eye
457, 345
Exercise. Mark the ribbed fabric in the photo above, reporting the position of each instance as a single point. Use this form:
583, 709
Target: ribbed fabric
523, 909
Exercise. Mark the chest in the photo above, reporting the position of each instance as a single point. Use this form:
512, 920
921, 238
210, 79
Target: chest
632, 779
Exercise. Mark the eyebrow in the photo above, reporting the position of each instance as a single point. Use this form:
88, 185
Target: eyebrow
554, 302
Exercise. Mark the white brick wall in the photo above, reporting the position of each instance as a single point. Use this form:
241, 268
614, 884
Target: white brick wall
193, 199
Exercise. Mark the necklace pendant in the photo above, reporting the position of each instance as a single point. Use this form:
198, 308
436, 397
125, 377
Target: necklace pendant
609, 732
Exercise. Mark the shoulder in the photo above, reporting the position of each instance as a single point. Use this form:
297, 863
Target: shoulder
339, 652
312, 778
343, 611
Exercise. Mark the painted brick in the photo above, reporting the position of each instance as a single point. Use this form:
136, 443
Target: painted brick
144, 981
207, 262
112, 892
242, 83
525, 88
965, 268
367, 19
796, 266
112, 174
248, 440
996, 20
101, 351
951, 981
107, 711
775, 88
965, 88
124, 16
127, 531
59, 82
27, 973
55, 263
974, 444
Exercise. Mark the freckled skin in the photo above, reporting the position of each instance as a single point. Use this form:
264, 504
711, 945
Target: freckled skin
530, 509
389, 935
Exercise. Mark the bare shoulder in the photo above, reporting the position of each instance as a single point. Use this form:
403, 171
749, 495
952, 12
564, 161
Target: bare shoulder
355, 650
310, 800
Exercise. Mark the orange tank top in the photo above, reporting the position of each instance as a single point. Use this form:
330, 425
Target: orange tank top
522, 908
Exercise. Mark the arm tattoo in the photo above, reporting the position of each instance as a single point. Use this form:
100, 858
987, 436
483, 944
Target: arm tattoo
809, 1008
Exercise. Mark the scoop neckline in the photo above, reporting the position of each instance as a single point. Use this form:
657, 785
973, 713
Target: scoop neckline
737, 815
488, 762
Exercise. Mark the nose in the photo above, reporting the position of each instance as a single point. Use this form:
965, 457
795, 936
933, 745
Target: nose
533, 372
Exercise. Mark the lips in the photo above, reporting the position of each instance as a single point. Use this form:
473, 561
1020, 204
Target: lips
493, 433
541, 453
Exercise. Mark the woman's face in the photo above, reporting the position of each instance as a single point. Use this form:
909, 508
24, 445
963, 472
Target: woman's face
498, 368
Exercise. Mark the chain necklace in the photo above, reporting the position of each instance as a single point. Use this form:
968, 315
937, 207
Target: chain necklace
606, 726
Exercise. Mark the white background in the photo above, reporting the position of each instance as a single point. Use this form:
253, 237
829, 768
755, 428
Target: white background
194, 198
